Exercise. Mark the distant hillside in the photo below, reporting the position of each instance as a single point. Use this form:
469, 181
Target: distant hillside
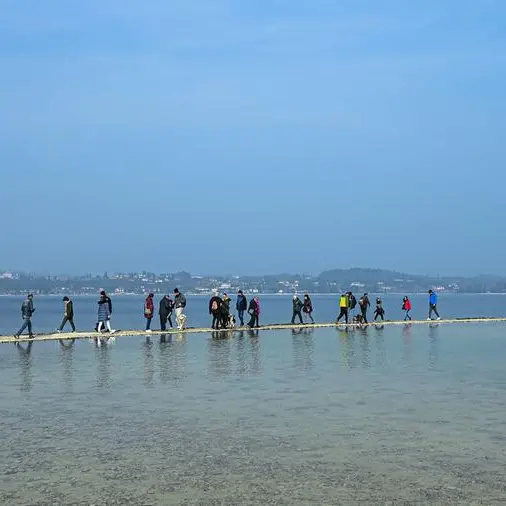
330, 281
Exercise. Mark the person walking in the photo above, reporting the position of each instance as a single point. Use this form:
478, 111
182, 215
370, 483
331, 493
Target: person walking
241, 305
27, 310
343, 306
308, 307
104, 316
109, 305
379, 311
179, 305
149, 309
225, 310
214, 310
254, 311
406, 306
68, 314
352, 302
165, 311
364, 304
433, 305
297, 306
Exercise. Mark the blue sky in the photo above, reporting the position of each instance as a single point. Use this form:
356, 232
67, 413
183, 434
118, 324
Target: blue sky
248, 137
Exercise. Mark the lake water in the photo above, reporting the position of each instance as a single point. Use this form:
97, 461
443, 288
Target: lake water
411, 414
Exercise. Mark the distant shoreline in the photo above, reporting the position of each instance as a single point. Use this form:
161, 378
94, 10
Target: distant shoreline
286, 294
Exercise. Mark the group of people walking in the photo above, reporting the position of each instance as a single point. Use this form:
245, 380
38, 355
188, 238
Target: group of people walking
348, 302
167, 306
220, 310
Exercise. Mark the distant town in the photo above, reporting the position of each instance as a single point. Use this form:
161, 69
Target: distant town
331, 281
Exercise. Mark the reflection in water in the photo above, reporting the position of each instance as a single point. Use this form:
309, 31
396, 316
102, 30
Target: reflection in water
25, 362
173, 359
149, 362
381, 353
365, 347
348, 355
102, 355
66, 355
303, 348
433, 345
254, 344
219, 347
407, 354
248, 352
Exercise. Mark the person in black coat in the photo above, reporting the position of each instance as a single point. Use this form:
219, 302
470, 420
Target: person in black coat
297, 306
165, 311
241, 306
215, 310
225, 310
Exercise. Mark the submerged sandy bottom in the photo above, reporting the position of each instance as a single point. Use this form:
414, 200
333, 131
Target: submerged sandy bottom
322, 417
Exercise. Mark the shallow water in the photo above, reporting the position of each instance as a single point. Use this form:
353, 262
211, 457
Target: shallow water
316, 416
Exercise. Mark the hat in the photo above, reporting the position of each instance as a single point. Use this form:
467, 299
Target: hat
30, 295
65, 298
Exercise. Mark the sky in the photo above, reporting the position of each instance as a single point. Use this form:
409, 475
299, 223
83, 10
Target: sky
246, 137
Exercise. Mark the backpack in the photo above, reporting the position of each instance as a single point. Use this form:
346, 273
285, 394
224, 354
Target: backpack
353, 301
361, 302
214, 306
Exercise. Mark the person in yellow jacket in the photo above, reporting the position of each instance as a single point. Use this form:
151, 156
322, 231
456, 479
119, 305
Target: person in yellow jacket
343, 306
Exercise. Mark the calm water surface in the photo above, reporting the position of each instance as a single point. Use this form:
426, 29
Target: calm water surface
413, 414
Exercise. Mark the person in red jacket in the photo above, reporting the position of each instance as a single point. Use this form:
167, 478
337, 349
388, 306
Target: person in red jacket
406, 306
149, 309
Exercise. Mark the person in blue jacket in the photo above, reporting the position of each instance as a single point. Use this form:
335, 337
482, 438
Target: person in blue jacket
433, 305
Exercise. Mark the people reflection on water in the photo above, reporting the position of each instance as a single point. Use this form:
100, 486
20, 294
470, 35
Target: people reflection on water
433, 345
67, 352
103, 359
365, 347
379, 340
149, 361
303, 348
408, 343
173, 361
347, 348
25, 362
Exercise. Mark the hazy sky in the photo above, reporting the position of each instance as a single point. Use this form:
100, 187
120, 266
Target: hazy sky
253, 136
